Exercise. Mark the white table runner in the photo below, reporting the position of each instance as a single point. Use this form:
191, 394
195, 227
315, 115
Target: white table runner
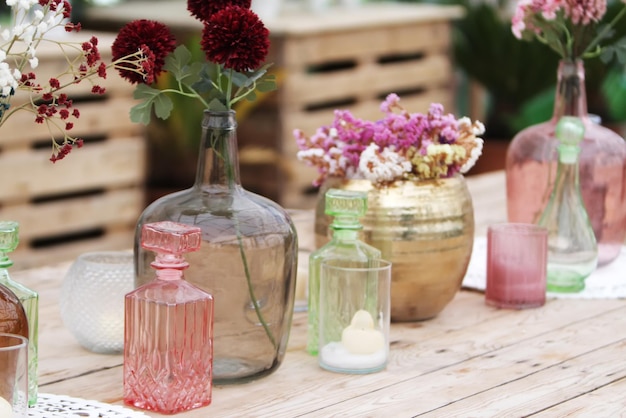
607, 282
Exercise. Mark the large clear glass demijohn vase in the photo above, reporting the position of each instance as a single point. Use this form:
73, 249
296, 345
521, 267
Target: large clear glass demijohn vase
531, 164
247, 259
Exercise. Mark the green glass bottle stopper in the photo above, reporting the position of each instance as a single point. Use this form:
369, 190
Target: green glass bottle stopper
570, 131
346, 206
9, 238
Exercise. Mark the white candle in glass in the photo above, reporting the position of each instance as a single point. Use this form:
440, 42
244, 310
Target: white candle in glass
6, 410
361, 347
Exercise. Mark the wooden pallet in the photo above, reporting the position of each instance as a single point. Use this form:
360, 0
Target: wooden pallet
344, 58
352, 59
91, 199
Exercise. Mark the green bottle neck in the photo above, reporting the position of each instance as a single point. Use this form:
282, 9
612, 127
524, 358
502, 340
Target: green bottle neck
5, 261
345, 234
345, 227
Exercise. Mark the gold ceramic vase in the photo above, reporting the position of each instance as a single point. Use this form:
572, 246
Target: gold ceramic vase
425, 228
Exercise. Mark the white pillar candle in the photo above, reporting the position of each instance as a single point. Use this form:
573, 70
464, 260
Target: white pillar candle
362, 346
360, 337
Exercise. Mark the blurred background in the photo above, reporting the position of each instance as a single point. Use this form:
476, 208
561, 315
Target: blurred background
327, 55
492, 76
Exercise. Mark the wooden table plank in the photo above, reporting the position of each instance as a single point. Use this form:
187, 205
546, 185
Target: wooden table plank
549, 370
471, 360
606, 401
552, 387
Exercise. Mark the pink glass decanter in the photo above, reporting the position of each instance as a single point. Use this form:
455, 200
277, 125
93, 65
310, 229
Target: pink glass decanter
168, 332
532, 160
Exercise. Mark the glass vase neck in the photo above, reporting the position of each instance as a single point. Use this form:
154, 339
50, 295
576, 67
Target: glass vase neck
571, 96
218, 162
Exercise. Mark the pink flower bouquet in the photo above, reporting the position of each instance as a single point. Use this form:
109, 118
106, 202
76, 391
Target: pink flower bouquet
401, 146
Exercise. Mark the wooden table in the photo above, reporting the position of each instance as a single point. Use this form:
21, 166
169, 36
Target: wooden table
564, 359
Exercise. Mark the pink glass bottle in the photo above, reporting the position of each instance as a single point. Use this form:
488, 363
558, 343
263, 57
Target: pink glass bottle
532, 160
168, 329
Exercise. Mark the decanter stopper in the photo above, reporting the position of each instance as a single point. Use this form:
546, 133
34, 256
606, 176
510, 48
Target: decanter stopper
346, 207
170, 240
572, 247
9, 239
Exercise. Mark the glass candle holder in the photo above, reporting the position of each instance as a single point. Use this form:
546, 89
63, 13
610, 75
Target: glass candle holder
92, 299
354, 316
516, 265
13, 376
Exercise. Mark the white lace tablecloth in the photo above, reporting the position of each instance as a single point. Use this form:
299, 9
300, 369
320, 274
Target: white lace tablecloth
607, 282
60, 406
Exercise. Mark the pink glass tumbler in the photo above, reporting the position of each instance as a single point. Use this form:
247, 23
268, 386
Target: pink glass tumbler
516, 265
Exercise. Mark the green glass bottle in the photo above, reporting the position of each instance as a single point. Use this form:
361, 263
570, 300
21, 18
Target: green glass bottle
9, 238
346, 207
572, 247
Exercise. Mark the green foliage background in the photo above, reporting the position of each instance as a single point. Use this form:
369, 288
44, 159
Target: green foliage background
520, 76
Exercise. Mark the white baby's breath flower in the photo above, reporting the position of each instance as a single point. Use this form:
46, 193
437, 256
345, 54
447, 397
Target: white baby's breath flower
310, 153
476, 152
26, 4
337, 163
8, 83
382, 166
34, 62
478, 128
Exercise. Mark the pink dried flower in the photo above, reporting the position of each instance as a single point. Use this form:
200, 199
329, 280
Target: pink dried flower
570, 27
402, 145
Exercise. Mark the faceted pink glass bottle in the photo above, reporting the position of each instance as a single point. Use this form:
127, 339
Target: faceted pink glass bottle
532, 160
168, 333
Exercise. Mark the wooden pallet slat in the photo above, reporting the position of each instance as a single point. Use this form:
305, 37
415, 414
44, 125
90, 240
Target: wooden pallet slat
101, 210
91, 199
114, 163
97, 118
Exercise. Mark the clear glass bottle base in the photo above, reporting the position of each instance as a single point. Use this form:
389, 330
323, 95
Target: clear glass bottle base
230, 370
565, 282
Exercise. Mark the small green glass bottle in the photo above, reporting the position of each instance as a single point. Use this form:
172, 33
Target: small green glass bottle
572, 247
346, 206
9, 239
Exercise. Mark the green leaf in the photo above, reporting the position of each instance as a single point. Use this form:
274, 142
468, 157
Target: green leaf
266, 86
163, 106
204, 83
251, 96
614, 91
140, 113
216, 105
240, 79
178, 64
150, 98
144, 91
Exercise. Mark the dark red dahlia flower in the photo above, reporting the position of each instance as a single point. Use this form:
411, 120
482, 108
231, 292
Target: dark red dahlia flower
204, 9
236, 38
154, 38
